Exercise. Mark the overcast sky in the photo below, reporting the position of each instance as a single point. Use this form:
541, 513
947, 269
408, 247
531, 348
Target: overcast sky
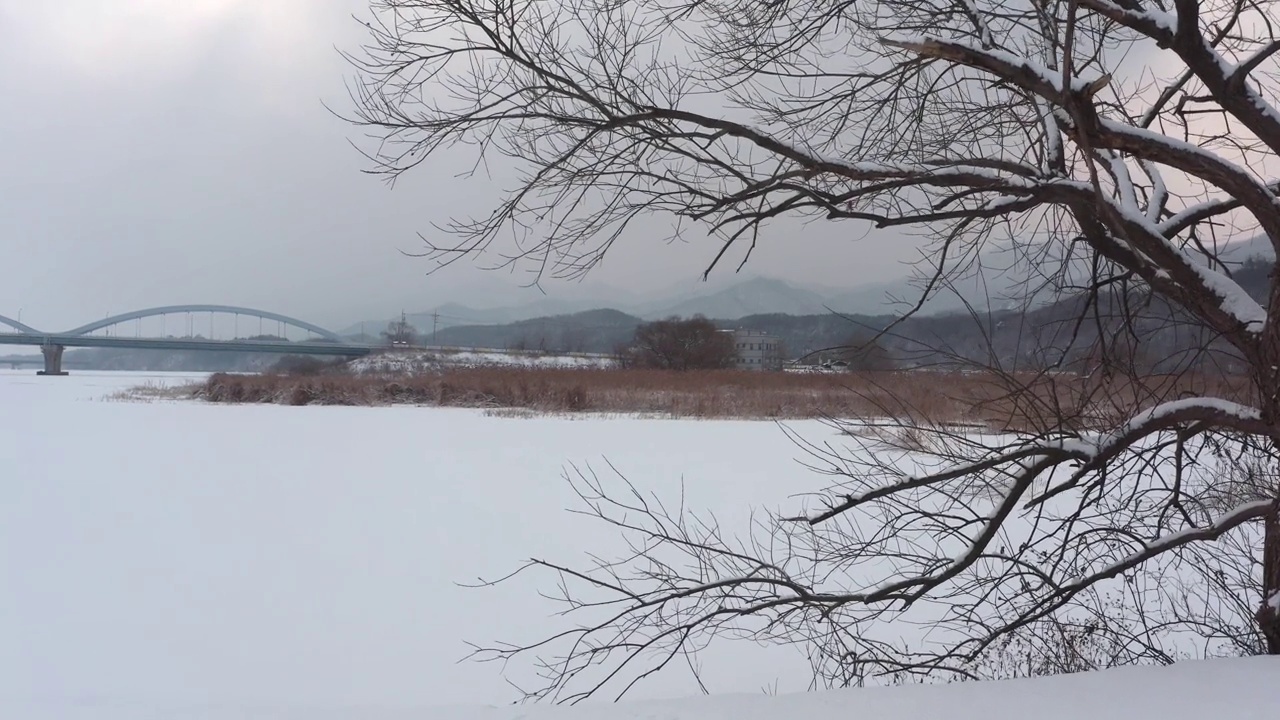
157, 152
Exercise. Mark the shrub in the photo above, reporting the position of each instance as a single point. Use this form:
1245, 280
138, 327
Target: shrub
308, 365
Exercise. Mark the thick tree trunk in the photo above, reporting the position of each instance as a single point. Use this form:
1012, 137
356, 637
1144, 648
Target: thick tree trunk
1267, 367
1268, 615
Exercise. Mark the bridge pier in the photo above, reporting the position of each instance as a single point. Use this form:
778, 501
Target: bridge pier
52, 360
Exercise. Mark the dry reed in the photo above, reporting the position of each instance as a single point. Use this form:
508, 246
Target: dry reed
1041, 402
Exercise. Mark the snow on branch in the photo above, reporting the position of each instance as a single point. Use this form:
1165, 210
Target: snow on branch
1251, 63
1215, 411
1204, 409
1152, 22
1022, 71
1192, 159
1147, 145
1219, 526
1165, 255
1189, 216
1159, 191
1099, 448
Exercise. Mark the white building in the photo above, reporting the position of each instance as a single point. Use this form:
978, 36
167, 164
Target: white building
757, 350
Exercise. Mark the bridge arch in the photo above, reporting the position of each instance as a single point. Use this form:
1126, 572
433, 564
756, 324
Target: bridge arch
24, 329
176, 309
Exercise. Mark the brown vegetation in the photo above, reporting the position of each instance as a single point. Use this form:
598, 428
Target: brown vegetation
694, 393
932, 397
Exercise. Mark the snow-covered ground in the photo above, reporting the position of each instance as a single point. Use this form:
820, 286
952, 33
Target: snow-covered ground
419, 360
181, 553
183, 560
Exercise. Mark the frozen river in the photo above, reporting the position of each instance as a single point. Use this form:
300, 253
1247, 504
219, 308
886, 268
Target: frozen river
174, 554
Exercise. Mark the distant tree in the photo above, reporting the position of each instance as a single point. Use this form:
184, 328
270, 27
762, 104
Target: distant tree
676, 344
782, 352
1257, 264
307, 365
1116, 352
573, 339
864, 351
400, 332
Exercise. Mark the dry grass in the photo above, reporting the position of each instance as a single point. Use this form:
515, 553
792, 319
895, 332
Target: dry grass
150, 392
926, 397
708, 394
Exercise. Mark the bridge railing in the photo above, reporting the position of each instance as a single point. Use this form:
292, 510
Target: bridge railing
168, 310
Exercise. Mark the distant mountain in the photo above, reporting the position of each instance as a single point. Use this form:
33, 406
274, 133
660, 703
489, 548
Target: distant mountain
590, 331
734, 298
1017, 333
1256, 247
749, 297
887, 298
453, 314
574, 299
1003, 284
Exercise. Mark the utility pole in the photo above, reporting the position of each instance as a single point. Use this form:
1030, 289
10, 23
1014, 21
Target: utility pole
435, 319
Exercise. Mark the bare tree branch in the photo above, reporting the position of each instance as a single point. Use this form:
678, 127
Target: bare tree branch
1113, 148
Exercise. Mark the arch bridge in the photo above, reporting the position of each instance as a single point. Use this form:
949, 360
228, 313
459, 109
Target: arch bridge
52, 344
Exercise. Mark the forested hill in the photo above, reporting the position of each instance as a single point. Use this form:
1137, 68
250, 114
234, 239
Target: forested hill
1015, 337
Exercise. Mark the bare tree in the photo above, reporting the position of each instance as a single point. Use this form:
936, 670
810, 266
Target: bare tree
863, 350
680, 344
400, 332
1114, 145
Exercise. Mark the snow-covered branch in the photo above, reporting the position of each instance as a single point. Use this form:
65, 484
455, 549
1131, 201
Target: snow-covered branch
1021, 71
1155, 24
1200, 212
1213, 530
1095, 450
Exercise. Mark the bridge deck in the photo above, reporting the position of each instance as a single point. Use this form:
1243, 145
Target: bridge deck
276, 347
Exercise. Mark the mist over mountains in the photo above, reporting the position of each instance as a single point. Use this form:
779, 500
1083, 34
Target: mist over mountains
1012, 337
970, 320
1002, 284
744, 297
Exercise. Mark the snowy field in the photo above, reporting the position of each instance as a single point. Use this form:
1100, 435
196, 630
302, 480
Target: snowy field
419, 361
177, 553
180, 560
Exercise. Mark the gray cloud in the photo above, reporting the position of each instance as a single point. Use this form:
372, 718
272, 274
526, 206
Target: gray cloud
156, 152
